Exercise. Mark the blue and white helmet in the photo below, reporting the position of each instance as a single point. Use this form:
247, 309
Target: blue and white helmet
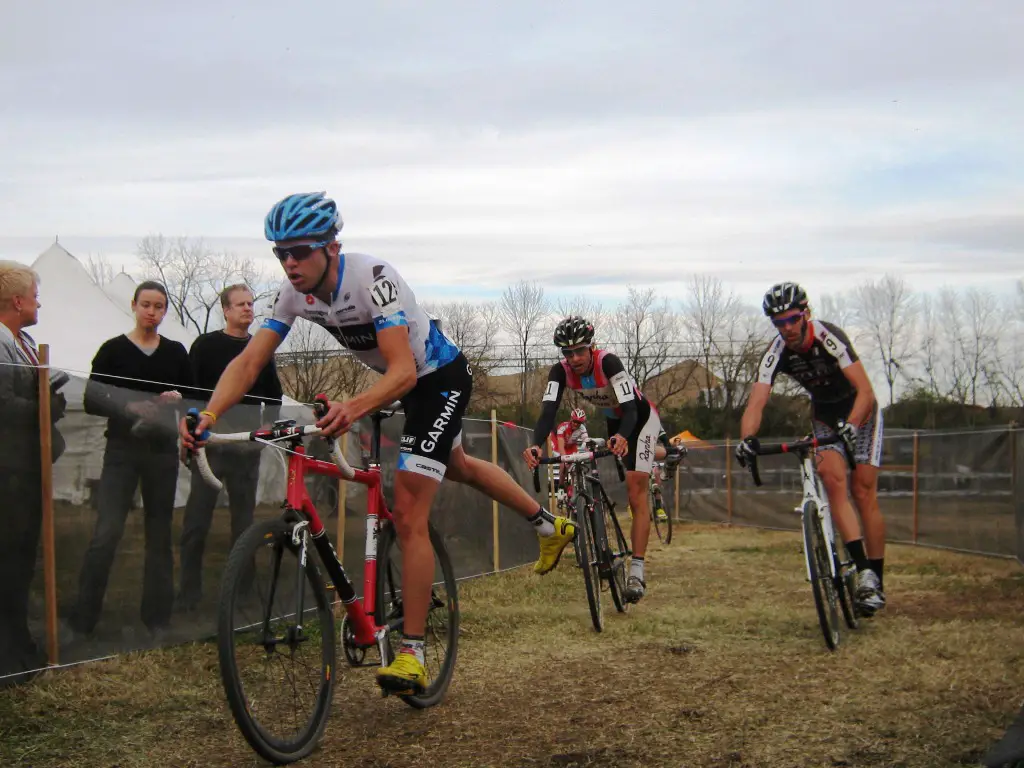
303, 215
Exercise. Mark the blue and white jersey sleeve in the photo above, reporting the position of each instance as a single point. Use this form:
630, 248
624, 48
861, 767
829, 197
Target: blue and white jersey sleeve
282, 312
386, 301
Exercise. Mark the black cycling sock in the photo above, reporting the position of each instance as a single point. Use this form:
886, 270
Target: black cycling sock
860, 558
878, 565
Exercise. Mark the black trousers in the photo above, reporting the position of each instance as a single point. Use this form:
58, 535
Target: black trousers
21, 520
240, 473
126, 464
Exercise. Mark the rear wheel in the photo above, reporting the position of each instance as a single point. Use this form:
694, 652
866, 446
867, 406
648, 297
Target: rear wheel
441, 637
662, 525
819, 559
846, 584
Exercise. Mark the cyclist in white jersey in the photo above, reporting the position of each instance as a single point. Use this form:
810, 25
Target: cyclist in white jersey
820, 357
367, 306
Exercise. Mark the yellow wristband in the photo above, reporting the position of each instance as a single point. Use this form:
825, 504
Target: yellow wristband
211, 414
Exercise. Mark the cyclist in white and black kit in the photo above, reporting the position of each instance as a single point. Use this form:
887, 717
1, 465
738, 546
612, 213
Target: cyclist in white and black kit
821, 358
633, 424
367, 306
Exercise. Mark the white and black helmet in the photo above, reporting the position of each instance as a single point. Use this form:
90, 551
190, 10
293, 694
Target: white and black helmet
783, 297
573, 331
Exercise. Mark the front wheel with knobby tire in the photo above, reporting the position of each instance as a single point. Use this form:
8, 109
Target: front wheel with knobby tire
275, 641
587, 557
819, 559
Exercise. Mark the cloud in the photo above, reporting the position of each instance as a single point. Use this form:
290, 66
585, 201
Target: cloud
573, 143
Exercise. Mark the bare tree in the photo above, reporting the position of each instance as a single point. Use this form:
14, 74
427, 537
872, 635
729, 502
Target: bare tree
582, 306
1009, 360
522, 312
839, 309
312, 362
969, 322
930, 354
887, 312
194, 275
473, 327
644, 330
982, 314
729, 339
99, 268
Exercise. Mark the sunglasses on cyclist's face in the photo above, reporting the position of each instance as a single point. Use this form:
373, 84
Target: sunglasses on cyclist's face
298, 252
568, 354
783, 322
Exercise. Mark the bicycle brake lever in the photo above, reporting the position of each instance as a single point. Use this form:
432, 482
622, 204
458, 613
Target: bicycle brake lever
320, 406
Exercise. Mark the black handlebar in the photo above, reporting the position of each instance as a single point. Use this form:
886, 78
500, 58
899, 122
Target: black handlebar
598, 454
798, 448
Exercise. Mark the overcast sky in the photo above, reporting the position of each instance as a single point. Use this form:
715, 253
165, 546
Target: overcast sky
589, 145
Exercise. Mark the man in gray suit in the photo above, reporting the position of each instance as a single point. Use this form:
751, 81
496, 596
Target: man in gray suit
20, 473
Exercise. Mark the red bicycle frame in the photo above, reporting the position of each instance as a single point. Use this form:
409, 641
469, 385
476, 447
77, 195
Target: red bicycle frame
360, 614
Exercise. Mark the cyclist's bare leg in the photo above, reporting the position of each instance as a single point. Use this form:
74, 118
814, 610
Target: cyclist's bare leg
832, 470
636, 488
414, 493
491, 480
659, 452
864, 489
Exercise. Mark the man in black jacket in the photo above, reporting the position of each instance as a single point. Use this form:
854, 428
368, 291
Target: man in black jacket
20, 468
237, 465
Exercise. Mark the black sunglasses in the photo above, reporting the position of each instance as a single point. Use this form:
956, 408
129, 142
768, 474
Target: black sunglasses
298, 252
787, 321
570, 353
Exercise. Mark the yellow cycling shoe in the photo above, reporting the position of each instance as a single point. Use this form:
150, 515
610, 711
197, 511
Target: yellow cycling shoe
405, 676
551, 547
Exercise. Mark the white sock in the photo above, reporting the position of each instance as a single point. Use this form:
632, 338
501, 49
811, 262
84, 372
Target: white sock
413, 645
636, 568
543, 522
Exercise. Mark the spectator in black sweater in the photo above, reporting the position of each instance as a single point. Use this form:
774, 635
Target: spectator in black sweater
237, 465
136, 380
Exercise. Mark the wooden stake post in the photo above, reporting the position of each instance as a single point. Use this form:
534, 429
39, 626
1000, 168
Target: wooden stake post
46, 489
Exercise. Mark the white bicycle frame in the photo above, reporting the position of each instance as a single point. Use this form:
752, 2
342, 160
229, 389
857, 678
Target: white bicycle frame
813, 491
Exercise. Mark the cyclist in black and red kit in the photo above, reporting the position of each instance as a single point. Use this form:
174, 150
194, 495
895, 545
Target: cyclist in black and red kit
821, 358
633, 424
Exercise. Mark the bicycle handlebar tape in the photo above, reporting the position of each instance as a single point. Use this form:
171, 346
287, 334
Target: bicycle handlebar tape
536, 479
754, 472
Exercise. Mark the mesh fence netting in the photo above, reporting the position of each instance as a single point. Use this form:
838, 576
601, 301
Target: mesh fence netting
140, 541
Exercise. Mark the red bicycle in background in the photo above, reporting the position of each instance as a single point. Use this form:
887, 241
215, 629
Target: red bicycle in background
275, 629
